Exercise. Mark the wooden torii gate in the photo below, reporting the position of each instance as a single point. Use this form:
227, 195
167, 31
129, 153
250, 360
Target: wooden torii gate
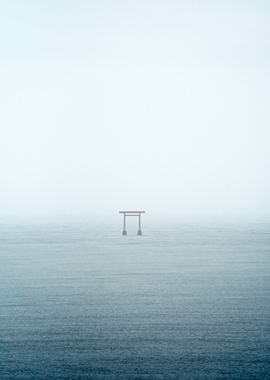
132, 213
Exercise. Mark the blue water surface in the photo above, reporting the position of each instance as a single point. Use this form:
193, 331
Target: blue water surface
184, 301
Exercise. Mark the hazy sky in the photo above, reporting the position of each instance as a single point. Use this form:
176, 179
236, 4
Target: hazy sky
159, 105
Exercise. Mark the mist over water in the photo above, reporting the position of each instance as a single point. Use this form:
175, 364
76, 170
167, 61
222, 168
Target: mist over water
185, 301
149, 105
109, 105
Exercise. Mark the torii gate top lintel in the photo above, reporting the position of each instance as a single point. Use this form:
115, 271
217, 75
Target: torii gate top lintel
132, 212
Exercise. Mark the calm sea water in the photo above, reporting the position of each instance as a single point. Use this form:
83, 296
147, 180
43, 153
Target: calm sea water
186, 301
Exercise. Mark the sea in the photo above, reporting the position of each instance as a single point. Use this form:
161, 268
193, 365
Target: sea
182, 301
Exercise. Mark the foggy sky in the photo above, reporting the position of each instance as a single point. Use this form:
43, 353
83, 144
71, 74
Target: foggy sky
156, 105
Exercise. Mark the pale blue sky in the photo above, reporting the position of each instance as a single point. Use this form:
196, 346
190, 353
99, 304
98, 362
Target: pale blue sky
162, 105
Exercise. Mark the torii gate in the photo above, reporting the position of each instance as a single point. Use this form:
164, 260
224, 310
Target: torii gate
132, 213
